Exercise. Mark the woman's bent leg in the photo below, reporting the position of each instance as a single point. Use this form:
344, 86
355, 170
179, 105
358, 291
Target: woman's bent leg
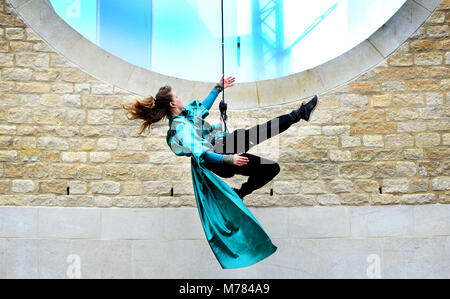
222, 170
259, 170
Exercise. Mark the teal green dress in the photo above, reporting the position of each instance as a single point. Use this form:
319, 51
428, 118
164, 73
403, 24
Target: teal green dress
233, 233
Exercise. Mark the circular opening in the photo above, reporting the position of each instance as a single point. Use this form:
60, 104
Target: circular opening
264, 39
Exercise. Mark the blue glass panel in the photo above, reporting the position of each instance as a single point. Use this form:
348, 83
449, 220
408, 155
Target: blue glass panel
125, 30
80, 14
187, 37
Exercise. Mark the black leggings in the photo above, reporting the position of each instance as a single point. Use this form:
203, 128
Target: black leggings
259, 170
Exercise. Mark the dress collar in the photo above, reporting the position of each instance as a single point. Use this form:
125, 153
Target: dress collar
182, 113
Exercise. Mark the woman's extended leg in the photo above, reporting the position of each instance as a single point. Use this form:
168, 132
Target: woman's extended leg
242, 140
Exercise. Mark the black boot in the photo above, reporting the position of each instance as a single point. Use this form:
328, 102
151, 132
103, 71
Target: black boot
305, 111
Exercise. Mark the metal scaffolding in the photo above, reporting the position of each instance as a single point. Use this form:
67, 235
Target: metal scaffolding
268, 41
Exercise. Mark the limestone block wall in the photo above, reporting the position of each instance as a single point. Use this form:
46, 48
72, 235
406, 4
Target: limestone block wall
363, 190
381, 139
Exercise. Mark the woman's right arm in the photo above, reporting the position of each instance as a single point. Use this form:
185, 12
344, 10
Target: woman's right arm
238, 160
212, 157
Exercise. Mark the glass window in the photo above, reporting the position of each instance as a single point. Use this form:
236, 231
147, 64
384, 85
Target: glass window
264, 39
125, 30
81, 15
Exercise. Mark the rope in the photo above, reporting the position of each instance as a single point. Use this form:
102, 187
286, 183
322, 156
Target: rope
223, 53
223, 104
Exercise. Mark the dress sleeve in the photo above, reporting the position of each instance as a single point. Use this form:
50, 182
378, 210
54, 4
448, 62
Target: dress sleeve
209, 100
196, 110
212, 157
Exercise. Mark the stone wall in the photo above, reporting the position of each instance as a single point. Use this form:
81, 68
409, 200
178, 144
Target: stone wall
381, 139
409, 241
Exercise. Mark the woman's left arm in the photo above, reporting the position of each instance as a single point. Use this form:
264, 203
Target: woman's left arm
209, 100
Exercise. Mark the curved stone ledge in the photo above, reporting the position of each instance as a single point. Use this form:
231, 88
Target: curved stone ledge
40, 16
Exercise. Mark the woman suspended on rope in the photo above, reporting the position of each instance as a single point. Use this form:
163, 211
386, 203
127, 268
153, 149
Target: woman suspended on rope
226, 154
235, 236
